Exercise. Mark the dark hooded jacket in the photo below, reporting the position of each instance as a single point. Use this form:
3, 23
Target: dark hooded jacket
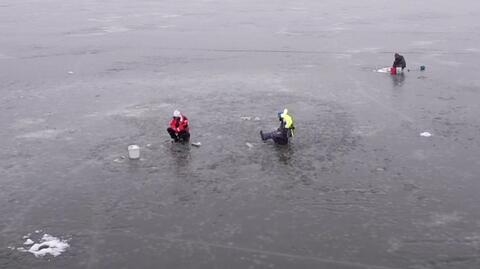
399, 61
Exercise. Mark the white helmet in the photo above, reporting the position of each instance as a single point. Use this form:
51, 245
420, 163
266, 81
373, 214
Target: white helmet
176, 114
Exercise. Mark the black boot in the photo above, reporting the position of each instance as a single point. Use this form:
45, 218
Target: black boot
261, 135
173, 135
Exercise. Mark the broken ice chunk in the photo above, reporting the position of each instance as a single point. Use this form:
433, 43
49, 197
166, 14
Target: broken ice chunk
196, 144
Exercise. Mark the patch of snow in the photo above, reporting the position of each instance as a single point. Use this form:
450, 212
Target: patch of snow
473, 50
298, 8
473, 240
27, 122
362, 50
442, 219
422, 43
343, 56
338, 28
196, 144
426, 134
449, 63
28, 242
383, 70
115, 29
49, 245
120, 159
45, 134
285, 31
166, 16
136, 111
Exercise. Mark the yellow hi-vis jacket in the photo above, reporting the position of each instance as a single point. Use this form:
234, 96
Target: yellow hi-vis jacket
288, 123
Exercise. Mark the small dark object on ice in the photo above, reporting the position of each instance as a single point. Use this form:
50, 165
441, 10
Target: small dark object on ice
43, 247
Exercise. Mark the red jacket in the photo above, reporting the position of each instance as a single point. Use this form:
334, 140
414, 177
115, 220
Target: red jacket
180, 124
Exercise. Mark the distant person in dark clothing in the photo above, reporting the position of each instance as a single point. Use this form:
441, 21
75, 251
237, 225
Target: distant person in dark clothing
399, 61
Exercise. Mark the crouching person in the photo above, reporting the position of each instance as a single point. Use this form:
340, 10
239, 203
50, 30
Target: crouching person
179, 130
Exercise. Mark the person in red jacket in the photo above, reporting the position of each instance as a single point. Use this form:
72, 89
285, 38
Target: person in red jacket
179, 130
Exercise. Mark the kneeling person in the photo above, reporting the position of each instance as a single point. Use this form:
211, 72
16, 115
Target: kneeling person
179, 130
284, 132
399, 61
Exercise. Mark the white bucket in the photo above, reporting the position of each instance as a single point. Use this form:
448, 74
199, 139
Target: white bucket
133, 152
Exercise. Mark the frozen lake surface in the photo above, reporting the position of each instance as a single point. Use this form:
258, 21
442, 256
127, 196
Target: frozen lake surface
358, 187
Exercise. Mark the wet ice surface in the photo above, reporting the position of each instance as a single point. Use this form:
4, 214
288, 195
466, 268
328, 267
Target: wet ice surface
357, 188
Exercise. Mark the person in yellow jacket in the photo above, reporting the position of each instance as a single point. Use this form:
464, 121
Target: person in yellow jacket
284, 132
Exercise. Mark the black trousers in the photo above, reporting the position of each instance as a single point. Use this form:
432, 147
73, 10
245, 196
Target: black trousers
182, 136
277, 137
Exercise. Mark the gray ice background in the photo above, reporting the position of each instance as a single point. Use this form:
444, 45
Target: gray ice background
357, 188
